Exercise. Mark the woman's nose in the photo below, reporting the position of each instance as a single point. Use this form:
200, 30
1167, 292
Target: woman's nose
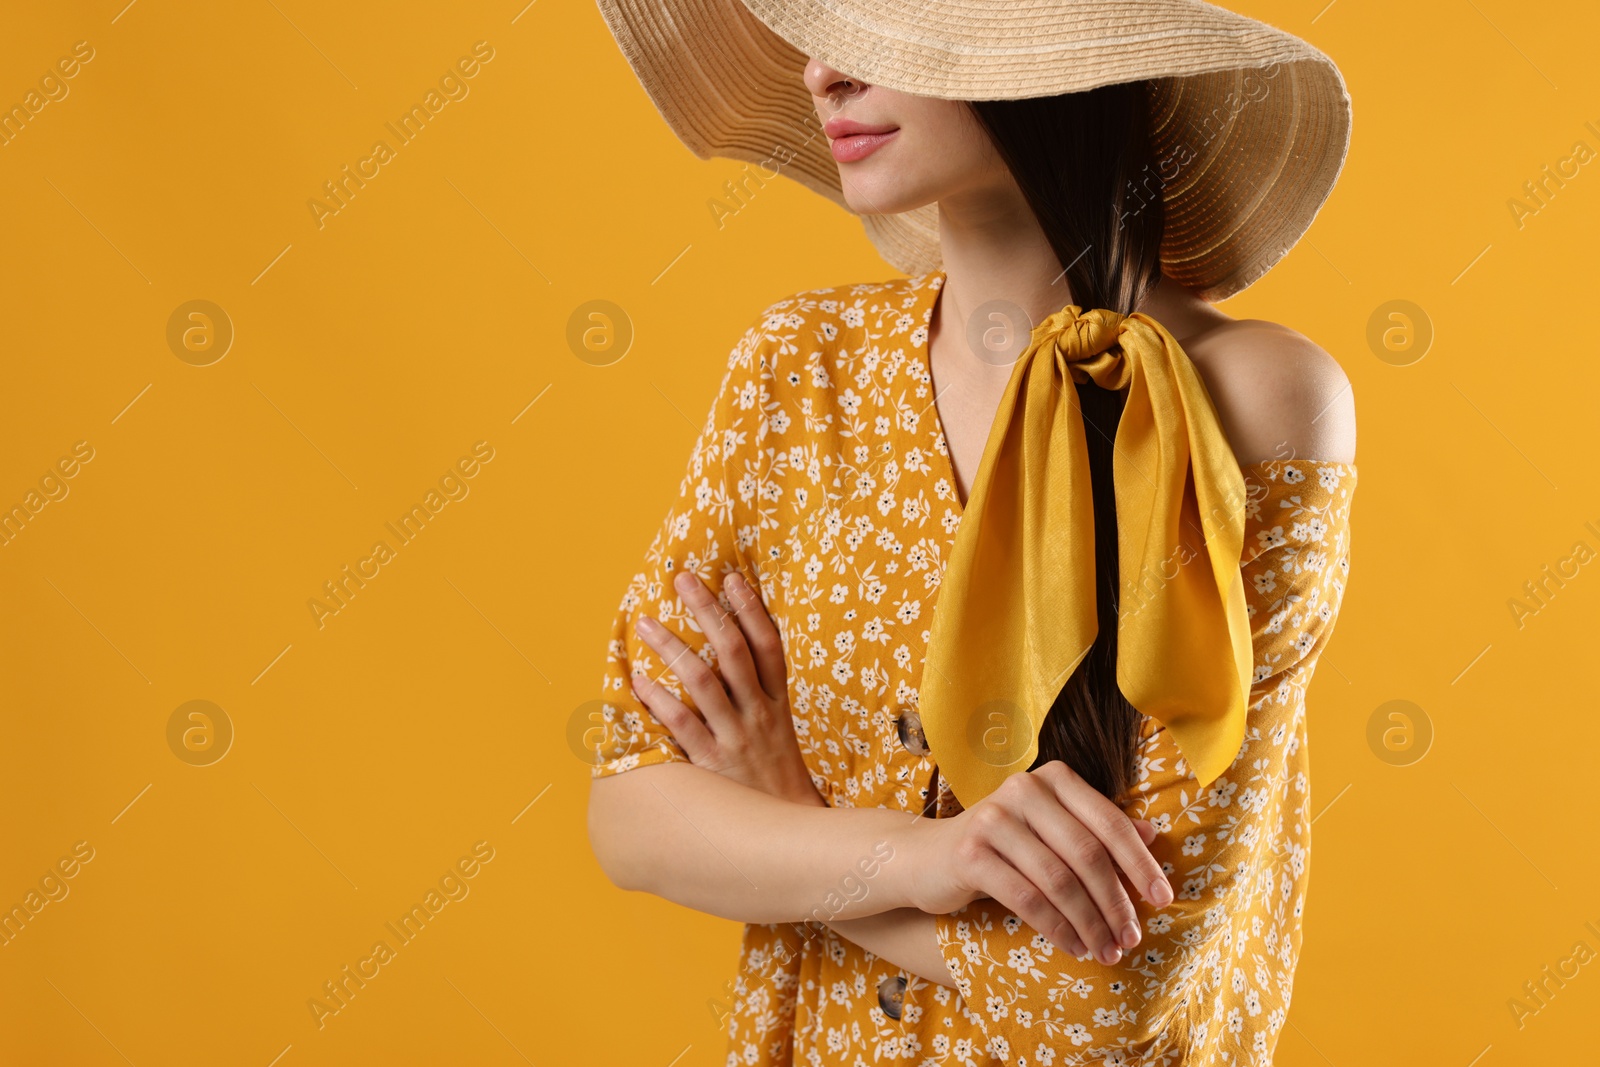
827, 83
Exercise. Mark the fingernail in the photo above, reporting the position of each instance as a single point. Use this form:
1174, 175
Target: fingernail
1130, 935
684, 581
647, 625
1110, 955
1160, 893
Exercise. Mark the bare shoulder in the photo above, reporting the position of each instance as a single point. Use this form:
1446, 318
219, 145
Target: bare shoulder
1278, 394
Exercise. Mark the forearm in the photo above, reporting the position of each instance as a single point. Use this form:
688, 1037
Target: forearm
694, 837
905, 937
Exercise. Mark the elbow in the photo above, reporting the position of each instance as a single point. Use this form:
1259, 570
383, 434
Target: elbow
608, 826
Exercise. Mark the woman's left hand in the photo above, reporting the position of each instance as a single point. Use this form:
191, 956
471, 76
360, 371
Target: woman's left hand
748, 735
747, 732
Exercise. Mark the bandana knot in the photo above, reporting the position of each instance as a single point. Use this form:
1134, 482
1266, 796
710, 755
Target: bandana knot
1017, 605
1076, 335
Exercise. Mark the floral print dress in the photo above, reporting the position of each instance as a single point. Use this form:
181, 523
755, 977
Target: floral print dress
822, 474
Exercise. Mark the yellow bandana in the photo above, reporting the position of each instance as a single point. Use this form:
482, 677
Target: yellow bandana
1016, 612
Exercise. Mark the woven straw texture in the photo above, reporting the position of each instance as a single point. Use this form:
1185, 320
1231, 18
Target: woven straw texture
1251, 124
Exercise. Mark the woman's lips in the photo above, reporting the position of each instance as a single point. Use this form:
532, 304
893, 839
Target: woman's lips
854, 146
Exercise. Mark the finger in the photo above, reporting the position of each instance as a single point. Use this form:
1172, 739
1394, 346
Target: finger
998, 879
1094, 866
766, 645
1148, 834
686, 727
1070, 864
724, 635
1075, 843
1132, 891
698, 679
1115, 830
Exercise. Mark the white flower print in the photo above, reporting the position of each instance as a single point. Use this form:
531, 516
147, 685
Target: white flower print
823, 475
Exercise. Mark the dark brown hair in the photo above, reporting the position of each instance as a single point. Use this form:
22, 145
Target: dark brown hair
1086, 165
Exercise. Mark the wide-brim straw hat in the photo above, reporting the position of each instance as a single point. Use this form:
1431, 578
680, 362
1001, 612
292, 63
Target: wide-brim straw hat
1250, 124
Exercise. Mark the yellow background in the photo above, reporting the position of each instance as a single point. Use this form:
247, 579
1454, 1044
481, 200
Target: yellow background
428, 715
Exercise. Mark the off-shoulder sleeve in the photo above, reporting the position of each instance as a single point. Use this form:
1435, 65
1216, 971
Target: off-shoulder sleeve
710, 530
1214, 969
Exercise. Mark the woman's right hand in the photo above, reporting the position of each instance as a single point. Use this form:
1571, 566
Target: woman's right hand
1049, 847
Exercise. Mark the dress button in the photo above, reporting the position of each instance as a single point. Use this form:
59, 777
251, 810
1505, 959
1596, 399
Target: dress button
892, 995
909, 727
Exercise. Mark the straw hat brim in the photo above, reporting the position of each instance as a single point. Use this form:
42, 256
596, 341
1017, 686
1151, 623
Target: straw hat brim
1250, 124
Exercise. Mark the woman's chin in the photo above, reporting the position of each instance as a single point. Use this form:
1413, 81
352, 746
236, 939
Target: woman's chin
876, 198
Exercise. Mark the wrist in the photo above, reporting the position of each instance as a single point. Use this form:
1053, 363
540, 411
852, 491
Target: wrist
804, 791
908, 838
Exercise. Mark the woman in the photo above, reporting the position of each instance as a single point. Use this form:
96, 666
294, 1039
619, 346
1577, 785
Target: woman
1114, 873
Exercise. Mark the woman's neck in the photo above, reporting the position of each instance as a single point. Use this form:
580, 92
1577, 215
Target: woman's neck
993, 249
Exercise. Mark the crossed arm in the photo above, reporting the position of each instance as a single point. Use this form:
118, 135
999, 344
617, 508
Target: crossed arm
741, 832
706, 841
